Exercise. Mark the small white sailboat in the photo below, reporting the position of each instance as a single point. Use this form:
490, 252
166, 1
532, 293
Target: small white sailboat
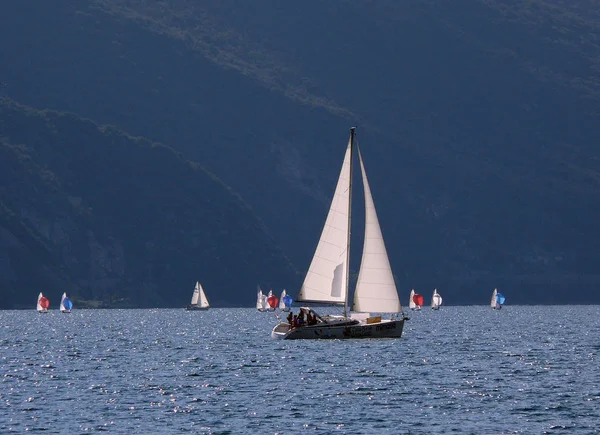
328, 277
411, 302
261, 300
65, 304
199, 301
271, 301
415, 301
497, 300
42, 303
436, 300
285, 301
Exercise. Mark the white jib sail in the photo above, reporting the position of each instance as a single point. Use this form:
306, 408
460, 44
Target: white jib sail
376, 289
203, 300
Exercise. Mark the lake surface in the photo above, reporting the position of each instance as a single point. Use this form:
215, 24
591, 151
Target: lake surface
471, 370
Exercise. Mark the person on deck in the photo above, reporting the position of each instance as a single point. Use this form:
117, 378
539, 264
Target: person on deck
309, 318
301, 318
290, 319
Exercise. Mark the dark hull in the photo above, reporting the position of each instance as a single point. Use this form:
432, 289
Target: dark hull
383, 329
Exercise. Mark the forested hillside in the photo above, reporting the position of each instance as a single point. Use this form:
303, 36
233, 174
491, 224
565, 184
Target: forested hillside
118, 220
477, 121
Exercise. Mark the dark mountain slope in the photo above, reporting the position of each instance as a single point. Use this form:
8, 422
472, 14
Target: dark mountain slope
106, 67
478, 119
105, 216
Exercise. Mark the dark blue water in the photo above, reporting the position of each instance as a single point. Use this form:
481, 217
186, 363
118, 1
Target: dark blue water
522, 370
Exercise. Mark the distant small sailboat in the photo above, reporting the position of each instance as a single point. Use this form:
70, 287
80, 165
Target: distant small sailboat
272, 301
199, 301
65, 304
261, 300
285, 301
436, 300
497, 300
42, 303
415, 301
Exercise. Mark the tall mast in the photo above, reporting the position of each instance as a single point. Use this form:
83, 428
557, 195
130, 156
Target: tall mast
352, 129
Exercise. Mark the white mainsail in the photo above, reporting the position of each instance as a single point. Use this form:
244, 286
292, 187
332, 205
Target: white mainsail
196, 294
411, 302
281, 302
260, 299
62, 302
376, 289
493, 302
436, 300
326, 277
39, 307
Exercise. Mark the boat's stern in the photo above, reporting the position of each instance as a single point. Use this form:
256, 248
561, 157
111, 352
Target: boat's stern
280, 331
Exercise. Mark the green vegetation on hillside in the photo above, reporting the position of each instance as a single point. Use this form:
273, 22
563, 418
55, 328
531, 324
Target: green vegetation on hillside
477, 120
106, 216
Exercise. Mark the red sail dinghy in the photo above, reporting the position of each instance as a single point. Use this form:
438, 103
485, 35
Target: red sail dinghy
42, 304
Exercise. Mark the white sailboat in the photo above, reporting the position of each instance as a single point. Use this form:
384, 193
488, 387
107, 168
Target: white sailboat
261, 300
411, 301
327, 280
65, 304
42, 303
283, 299
497, 300
436, 300
270, 306
415, 301
199, 301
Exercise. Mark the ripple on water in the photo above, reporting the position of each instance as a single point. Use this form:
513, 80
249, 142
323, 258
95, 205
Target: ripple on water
458, 370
